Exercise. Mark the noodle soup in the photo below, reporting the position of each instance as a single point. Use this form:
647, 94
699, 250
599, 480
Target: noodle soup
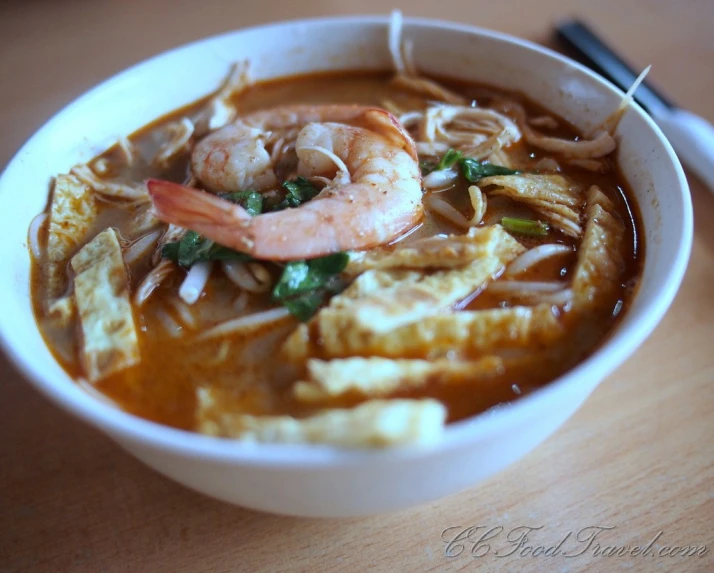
351, 258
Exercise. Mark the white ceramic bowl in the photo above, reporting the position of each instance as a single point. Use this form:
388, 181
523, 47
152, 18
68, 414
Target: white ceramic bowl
319, 480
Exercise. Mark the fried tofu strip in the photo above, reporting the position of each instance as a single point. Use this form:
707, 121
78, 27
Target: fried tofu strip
380, 300
464, 333
376, 423
433, 252
109, 337
379, 377
72, 211
62, 311
600, 264
555, 197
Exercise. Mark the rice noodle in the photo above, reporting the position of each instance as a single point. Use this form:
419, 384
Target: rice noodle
33, 235
477, 132
241, 301
313, 179
395, 41
448, 212
408, 56
434, 149
221, 355
407, 75
534, 256
445, 210
194, 283
478, 202
172, 234
261, 274
172, 327
544, 121
184, 312
410, 118
127, 149
277, 150
180, 133
429, 89
251, 277
157, 275
391, 107
244, 323
513, 286
500, 157
343, 174
139, 247
548, 164
560, 298
589, 164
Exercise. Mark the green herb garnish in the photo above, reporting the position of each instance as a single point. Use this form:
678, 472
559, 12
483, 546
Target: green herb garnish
304, 285
194, 248
473, 170
450, 158
525, 226
300, 191
251, 201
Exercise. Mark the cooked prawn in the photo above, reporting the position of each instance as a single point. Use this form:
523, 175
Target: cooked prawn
373, 195
235, 157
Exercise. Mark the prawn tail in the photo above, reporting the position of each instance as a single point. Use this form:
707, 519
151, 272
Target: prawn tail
205, 213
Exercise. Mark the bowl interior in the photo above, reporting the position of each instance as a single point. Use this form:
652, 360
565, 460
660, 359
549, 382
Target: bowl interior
137, 96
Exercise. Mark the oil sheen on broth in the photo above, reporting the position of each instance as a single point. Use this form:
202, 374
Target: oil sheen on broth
245, 370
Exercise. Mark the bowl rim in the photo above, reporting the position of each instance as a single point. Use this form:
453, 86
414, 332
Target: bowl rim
617, 347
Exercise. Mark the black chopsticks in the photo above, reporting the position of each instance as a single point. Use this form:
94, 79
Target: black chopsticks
584, 46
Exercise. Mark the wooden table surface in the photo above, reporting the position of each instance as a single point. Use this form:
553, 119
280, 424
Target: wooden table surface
638, 457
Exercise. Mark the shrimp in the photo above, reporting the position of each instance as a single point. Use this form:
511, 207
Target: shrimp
373, 196
235, 157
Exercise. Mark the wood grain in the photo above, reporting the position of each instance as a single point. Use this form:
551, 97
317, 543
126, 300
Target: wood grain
638, 456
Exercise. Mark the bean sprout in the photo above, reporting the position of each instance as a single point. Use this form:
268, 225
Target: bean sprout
194, 283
